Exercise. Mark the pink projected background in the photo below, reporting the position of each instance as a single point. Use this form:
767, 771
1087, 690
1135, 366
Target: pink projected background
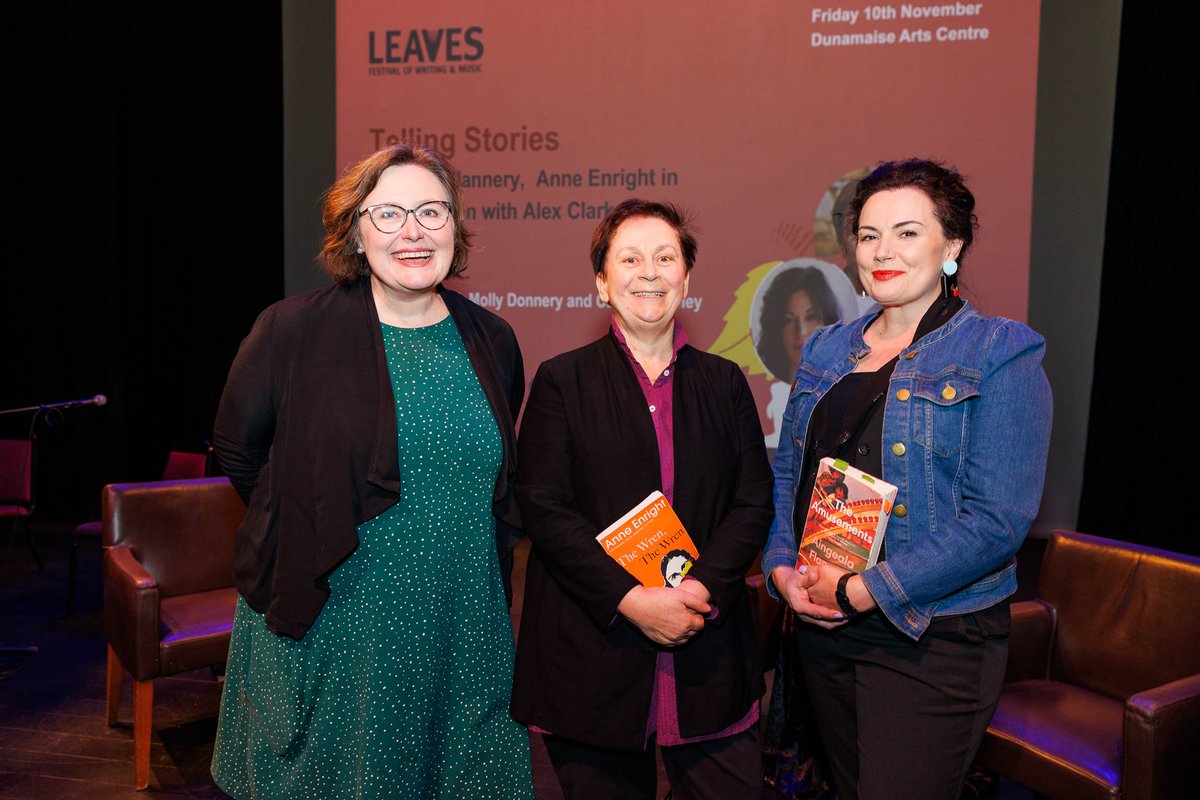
750, 116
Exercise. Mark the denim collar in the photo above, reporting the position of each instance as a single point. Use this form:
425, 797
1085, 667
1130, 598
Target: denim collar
859, 348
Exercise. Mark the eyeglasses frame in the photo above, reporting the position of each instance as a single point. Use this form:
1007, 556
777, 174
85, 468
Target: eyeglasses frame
366, 212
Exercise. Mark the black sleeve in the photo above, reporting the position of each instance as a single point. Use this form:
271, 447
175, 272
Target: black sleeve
245, 425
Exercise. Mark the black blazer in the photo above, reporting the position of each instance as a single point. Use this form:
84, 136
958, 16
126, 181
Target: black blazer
306, 431
588, 453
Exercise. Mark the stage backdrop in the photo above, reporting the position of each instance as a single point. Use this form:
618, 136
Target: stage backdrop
756, 118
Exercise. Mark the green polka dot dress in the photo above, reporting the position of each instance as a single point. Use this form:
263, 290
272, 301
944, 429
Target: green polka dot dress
401, 687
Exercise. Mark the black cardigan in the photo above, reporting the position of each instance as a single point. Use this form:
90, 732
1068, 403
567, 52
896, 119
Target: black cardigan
588, 454
306, 431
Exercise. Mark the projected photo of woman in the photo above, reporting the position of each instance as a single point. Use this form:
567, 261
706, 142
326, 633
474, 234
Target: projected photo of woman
830, 239
792, 302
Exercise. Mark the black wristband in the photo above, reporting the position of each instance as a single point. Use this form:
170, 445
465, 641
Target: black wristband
843, 600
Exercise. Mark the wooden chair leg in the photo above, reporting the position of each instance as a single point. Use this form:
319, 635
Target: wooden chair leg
143, 711
112, 695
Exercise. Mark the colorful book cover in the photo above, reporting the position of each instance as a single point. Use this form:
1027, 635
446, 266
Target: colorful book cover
847, 515
651, 543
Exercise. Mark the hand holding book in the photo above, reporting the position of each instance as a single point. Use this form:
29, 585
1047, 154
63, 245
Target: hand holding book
651, 544
664, 615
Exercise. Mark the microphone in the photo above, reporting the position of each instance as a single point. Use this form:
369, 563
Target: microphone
98, 400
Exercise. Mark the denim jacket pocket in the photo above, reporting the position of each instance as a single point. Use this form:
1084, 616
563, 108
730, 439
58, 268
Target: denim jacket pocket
807, 380
941, 413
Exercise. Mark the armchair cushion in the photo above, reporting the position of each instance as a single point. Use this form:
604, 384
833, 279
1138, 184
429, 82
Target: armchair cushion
196, 629
1063, 740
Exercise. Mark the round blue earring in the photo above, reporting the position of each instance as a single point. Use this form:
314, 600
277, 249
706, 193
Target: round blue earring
949, 267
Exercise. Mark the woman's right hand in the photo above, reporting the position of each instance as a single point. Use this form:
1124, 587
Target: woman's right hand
793, 585
665, 616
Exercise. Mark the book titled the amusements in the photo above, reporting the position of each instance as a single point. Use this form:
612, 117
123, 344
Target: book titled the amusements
651, 543
846, 517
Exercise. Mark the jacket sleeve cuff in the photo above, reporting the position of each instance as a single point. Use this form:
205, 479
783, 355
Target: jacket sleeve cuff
893, 602
776, 557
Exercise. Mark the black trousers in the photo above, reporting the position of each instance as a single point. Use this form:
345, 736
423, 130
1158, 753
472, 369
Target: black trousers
719, 769
903, 719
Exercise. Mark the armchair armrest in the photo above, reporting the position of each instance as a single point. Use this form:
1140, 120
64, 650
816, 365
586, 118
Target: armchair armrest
131, 612
1160, 740
1029, 641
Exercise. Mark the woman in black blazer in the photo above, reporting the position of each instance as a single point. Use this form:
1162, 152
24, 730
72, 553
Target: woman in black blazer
605, 666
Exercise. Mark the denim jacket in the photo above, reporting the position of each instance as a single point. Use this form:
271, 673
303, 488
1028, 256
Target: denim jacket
966, 429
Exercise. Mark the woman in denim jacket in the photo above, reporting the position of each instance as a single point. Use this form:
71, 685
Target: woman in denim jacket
904, 662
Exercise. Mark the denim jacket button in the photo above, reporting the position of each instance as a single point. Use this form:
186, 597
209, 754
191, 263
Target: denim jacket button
900, 510
798, 442
899, 449
910, 355
903, 395
949, 392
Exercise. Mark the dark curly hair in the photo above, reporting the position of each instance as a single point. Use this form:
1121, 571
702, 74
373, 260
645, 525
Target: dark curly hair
774, 311
953, 203
339, 256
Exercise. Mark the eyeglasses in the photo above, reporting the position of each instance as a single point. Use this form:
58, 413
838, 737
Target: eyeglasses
389, 217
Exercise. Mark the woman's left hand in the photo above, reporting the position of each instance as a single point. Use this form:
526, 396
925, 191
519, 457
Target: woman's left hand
824, 591
695, 588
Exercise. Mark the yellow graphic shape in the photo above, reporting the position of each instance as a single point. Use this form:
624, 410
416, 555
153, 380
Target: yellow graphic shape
734, 341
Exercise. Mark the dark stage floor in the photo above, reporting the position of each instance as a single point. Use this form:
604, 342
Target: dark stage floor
53, 740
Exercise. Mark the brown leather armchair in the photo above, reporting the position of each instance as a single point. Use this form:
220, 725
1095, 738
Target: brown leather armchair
168, 588
180, 465
1102, 696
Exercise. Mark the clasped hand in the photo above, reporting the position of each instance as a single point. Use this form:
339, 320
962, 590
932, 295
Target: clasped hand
794, 587
667, 616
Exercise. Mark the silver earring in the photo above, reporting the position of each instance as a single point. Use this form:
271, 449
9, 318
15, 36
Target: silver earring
949, 267
360, 251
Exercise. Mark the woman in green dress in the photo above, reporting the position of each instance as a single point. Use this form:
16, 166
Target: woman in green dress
369, 428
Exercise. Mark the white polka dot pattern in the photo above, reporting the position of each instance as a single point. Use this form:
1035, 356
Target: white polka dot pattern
401, 688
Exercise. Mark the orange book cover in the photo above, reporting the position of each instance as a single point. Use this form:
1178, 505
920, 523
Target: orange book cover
651, 543
847, 515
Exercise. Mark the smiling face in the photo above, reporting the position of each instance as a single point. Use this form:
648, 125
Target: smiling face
412, 261
901, 248
644, 277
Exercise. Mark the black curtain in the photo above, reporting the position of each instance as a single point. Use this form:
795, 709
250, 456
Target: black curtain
145, 232
1137, 484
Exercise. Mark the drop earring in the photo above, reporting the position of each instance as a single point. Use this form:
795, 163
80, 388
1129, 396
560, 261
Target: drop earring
949, 282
